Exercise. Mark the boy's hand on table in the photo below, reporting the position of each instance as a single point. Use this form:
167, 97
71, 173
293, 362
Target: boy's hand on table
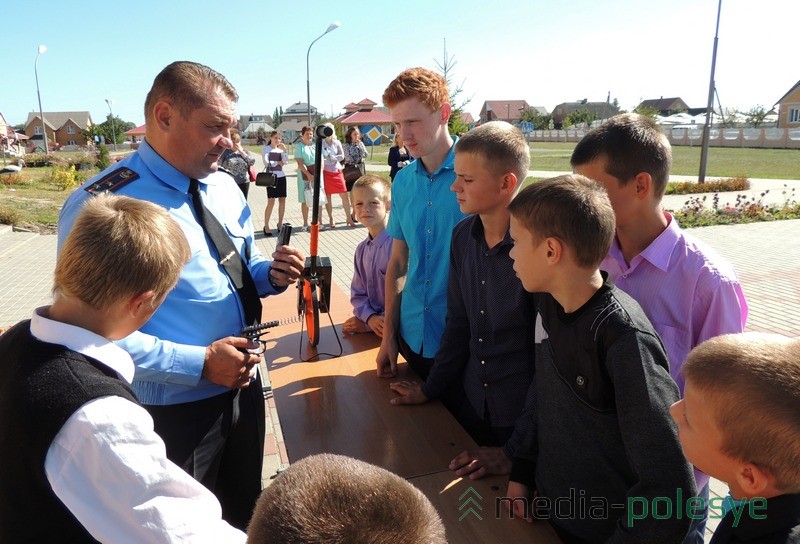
354, 325
375, 323
478, 463
387, 358
518, 508
410, 393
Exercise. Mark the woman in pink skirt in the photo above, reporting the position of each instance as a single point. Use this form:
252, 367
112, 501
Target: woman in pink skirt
332, 155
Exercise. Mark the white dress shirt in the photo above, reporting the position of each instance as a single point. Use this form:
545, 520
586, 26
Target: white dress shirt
110, 469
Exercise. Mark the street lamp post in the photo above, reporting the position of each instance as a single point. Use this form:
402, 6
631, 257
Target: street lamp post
332, 26
701, 177
42, 49
111, 116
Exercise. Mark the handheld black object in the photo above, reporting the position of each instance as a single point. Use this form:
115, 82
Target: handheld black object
285, 234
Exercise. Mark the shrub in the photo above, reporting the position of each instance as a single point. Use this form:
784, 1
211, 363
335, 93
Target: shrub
103, 159
745, 210
739, 183
37, 160
9, 216
84, 161
12, 179
64, 177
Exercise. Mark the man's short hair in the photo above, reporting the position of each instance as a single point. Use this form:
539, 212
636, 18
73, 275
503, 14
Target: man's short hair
187, 85
339, 500
630, 144
753, 380
571, 208
377, 183
502, 147
120, 247
428, 87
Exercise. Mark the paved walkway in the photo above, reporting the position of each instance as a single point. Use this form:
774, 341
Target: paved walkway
766, 256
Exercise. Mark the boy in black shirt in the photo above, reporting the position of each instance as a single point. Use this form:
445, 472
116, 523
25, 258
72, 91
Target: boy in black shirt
602, 438
739, 421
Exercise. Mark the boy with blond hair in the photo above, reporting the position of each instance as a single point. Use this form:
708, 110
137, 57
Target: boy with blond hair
484, 365
424, 212
687, 290
601, 427
372, 200
81, 461
739, 421
340, 500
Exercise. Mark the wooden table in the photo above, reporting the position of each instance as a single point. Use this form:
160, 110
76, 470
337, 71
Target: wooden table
471, 512
339, 405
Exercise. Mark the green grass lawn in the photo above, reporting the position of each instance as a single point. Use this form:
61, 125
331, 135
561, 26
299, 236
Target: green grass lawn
722, 161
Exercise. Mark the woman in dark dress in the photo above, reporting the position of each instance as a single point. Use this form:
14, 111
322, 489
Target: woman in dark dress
398, 156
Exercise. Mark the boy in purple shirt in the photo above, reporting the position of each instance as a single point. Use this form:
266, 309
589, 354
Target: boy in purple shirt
372, 200
688, 291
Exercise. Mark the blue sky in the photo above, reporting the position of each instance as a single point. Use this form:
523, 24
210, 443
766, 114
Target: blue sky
545, 52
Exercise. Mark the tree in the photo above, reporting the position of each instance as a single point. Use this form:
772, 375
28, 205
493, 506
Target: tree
539, 122
756, 115
106, 130
647, 111
579, 117
456, 124
277, 116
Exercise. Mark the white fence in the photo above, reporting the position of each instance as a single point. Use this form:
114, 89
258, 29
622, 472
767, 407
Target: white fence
776, 138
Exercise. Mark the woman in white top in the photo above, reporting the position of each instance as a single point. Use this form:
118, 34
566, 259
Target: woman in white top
332, 155
274, 155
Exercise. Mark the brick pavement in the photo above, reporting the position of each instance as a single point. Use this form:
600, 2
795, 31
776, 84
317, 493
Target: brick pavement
766, 256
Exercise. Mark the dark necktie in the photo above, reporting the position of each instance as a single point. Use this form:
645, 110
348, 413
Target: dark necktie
229, 257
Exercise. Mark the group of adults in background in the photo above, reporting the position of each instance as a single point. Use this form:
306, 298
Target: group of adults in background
342, 164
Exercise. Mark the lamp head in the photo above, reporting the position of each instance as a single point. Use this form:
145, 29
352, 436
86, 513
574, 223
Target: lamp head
333, 26
323, 131
42, 49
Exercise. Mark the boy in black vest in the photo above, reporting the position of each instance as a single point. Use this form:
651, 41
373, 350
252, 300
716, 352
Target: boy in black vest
79, 460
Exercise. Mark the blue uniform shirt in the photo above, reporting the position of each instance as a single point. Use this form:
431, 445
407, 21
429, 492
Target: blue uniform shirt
424, 212
169, 350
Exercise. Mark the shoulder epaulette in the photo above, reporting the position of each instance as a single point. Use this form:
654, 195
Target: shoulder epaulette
113, 181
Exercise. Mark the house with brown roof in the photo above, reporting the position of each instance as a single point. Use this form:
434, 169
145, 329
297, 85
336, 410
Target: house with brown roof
665, 106
506, 110
64, 128
789, 104
373, 121
601, 110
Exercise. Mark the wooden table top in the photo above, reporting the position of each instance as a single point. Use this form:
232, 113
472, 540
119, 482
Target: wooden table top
471, 514
339, 405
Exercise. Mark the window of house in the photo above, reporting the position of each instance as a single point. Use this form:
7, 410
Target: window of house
794, 115
72, 142
37, 130
70, 129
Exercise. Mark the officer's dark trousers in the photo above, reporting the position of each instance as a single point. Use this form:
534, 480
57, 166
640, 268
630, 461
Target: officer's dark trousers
220, 442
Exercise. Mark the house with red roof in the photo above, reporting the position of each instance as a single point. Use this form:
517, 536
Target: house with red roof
373, 121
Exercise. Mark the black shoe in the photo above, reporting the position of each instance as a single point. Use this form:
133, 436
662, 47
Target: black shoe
267, 232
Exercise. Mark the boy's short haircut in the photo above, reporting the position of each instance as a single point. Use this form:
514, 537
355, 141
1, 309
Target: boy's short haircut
371, 181
502, 147
572, 208
340, 500
754, 381
630, 144
428, 87
120, 247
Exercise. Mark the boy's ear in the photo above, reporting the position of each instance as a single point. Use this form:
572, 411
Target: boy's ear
446, 111
388, 204
163, 113
754, 481
509, 183
643, 185
554, 250
141, 304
